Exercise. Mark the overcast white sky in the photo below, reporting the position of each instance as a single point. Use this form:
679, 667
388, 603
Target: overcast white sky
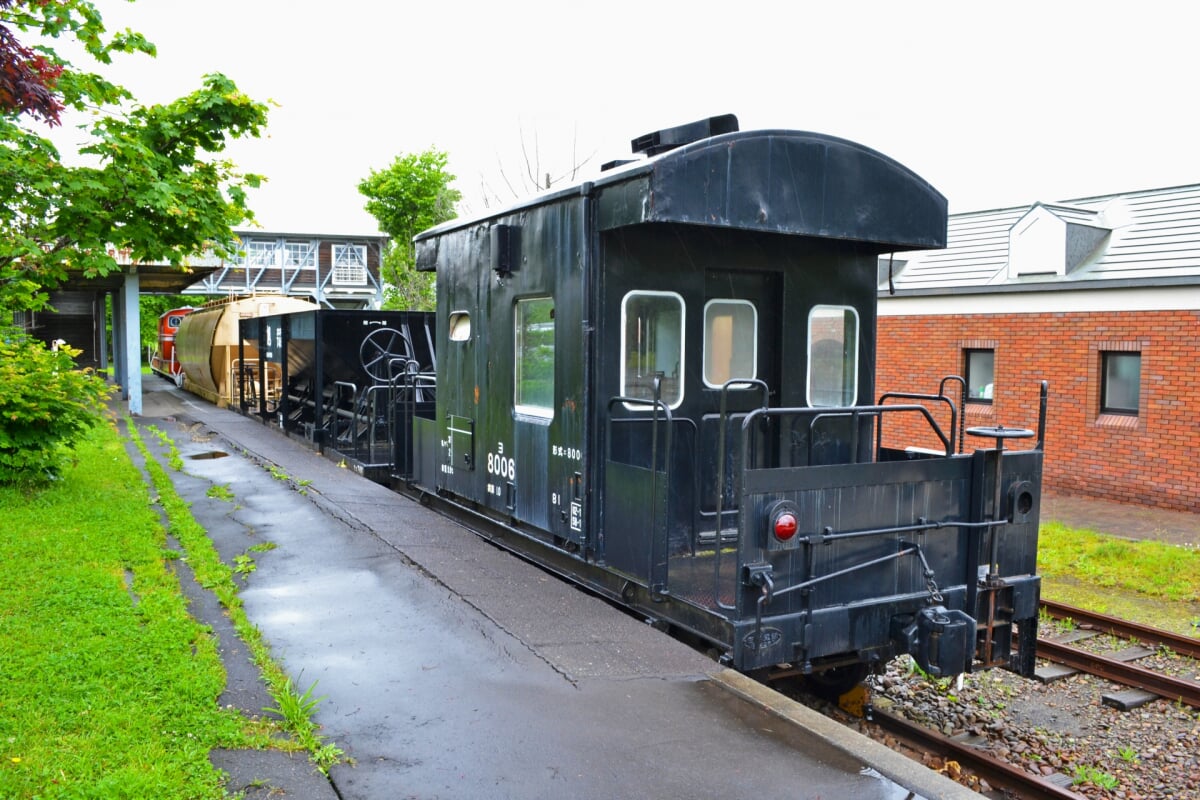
995, 104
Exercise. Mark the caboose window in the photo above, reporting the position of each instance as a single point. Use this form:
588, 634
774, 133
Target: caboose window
460, 326
534, 368
1120, 388
832, 356
652, 345
730, 341
981, 375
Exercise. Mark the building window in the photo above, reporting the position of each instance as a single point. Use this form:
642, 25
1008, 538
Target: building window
1120, 382
832, 356
259, 253
349, 265
652, 346
534, 368
730, 342
981, 375
299, 254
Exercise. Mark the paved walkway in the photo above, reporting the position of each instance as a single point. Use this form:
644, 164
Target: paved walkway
451, 669
1122, 519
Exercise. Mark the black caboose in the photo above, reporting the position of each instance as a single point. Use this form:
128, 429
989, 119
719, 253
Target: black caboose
661, 381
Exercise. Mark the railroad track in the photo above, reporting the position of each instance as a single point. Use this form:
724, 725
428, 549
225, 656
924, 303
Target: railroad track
1119, 671
999, 774
1014, 779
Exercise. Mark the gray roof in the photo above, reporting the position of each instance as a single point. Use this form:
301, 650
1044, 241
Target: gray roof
1142, 238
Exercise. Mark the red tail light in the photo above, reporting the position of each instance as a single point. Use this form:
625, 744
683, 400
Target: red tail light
785, 526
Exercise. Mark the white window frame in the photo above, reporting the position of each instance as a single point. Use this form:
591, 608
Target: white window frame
299, 254
260, 253
852, 361
708, 339
682, 345
340, 266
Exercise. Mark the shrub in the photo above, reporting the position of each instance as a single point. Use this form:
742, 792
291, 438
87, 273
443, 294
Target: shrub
45, 404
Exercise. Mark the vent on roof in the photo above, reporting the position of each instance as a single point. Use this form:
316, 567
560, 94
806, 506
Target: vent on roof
661, 141
1053, 240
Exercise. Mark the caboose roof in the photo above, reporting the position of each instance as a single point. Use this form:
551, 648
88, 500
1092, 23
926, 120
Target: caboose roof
1141, 238
774, 181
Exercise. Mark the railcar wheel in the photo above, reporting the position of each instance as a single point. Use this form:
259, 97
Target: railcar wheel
833, 683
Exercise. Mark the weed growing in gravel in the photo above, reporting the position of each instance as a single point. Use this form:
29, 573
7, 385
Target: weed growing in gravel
1128, 754
1096, 777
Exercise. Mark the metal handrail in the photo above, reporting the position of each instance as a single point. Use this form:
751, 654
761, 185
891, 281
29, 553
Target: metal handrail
336, 416
955, 434
404, 374
854, 412
654, 404
722, 422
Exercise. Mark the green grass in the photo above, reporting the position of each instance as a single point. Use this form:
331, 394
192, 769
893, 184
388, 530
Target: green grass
109, 687
1144, 581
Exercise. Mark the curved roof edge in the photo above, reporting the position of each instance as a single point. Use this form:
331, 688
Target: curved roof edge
780, 181
789, 182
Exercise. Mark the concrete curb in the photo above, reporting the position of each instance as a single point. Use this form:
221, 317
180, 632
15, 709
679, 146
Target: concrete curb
886, 762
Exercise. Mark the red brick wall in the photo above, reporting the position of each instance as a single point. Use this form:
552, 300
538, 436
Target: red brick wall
1153, 459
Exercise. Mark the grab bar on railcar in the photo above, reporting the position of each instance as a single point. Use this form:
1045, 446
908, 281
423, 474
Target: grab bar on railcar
955, 421
658, 559
819, 413
722, 421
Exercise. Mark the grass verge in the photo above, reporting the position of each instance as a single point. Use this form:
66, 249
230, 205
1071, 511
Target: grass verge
109, 685
1144, 581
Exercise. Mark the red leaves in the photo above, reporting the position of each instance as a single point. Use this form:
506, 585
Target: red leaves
27, 79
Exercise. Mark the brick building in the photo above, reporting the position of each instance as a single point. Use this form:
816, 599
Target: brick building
1099, 296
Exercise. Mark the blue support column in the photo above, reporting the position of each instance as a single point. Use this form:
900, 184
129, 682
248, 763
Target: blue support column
130, 342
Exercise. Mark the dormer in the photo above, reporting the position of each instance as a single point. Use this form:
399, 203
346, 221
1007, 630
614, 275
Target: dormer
1053, 240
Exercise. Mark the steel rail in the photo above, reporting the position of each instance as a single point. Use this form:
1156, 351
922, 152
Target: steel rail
996, 772
1165, 686
1179, 644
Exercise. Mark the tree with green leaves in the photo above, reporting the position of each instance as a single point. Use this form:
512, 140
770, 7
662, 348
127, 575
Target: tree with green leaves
410, 195
150, 183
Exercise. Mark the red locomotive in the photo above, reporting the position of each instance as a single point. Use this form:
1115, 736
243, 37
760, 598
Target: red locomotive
164, 361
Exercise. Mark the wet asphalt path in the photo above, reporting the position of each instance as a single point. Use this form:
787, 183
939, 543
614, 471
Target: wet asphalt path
451, 669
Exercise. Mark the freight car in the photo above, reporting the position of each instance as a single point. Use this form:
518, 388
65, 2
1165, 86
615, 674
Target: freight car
660, 383
206, 344
346, 380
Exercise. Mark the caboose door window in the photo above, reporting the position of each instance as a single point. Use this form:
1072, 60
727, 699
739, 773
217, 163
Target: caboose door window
533, 370
652, 325
730, 342
832, 356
